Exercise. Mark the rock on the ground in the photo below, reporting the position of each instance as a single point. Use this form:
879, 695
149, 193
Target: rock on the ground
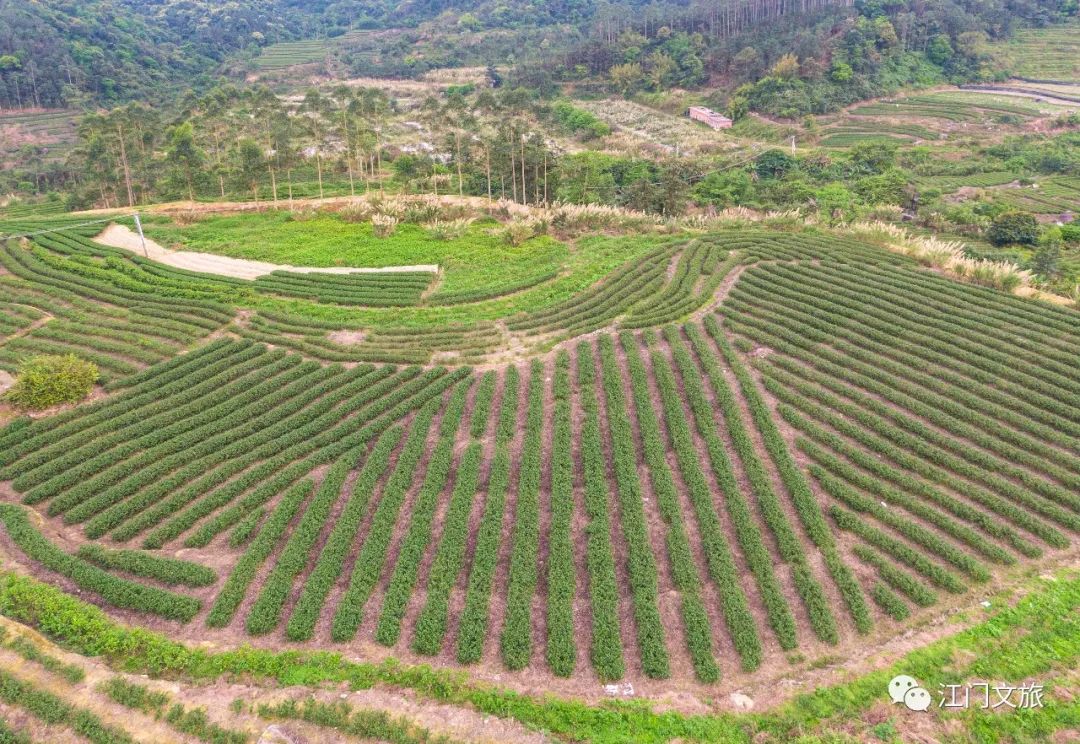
741, 701
275, 734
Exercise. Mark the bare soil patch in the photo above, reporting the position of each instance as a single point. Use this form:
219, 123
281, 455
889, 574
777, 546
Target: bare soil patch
347, 338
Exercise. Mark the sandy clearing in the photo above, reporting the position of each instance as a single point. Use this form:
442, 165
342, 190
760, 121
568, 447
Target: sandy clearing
121, 236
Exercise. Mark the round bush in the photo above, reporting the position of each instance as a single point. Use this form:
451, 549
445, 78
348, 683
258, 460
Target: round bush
45, 381
1011, 228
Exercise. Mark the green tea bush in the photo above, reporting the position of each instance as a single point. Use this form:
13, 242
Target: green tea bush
47, 380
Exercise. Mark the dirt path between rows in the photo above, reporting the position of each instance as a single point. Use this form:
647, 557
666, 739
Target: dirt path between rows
669, 598
121, 236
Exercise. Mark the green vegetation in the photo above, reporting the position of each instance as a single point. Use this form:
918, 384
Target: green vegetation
100, 314
46, 381
1046, 54
614, 396
1035, 637
369, 289
336, 515
27, 649
112, 590
165, 570
606, 651
561, 649
515, 642
478, 260
236, 586
52, 709
361, 723
475, 617
193, 722
578, 121
419, 534
811, 382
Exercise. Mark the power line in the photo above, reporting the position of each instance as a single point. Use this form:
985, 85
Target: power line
59, 229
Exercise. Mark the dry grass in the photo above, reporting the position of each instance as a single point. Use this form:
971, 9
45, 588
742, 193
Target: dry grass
948, 256
666, 132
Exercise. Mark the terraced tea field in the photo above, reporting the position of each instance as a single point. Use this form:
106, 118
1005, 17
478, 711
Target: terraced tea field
955, 106
1047, 55
730, 455
937, 118
52, 130
976, 180
287, 54
1048, 196
853, 134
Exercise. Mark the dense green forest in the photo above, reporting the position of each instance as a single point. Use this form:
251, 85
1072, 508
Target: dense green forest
55, 53
796, 56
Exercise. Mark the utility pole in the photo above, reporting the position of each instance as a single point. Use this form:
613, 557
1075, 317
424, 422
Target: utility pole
142, 238
793, 144
124, 162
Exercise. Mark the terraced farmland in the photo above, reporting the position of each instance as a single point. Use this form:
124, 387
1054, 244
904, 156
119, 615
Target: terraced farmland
373, 290
850, 131
977, 180
956, 107
745, 450
52, 130
1047, 54
938, 118
1049, 196
287, 54
61, 306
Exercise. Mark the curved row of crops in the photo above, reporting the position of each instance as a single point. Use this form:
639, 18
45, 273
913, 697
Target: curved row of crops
940, 420
846, 440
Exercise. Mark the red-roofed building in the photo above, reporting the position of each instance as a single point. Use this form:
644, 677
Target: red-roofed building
710, 117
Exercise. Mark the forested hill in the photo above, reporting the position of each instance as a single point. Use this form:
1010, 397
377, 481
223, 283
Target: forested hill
794, 57
55, 53
58, 53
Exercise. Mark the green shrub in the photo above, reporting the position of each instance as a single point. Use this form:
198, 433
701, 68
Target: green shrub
1009, 228
45, 381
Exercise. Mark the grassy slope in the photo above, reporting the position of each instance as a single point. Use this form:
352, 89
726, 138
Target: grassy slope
477, 260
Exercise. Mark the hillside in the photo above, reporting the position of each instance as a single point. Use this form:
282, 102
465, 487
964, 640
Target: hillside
434, 373
698, 459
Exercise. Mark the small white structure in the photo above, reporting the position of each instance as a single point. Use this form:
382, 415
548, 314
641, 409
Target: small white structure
710, 117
